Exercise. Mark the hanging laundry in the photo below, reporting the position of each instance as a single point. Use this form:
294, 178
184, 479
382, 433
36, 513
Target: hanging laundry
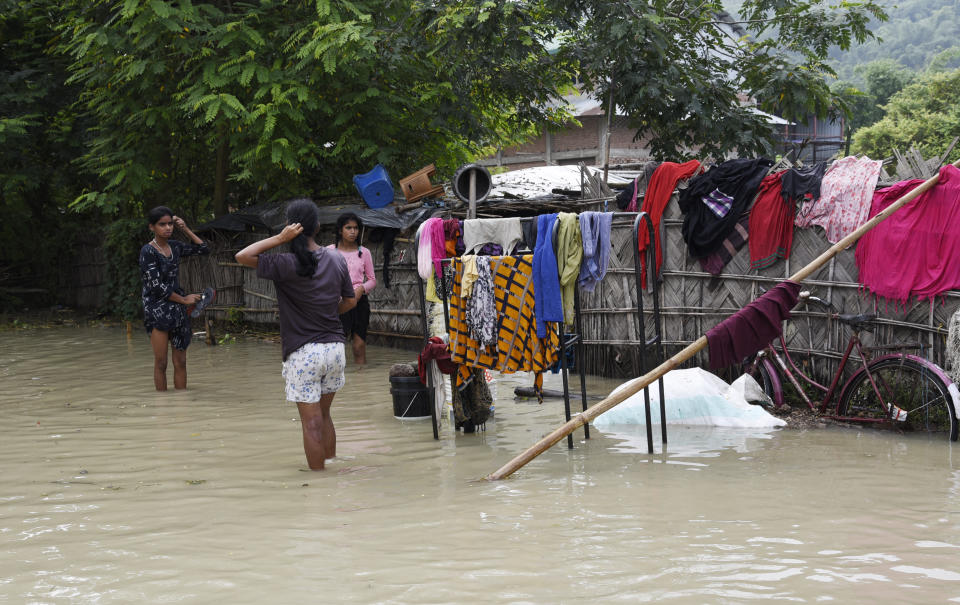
569, 256
752, 327
595, 233
435, 350
719, 202
548, 305
846, 193
715, 263
802, 184
504, 232
529, 228
438, 249
481, 307
472, 399
469, 274
517, 347
430, 289
704, 231
425, 249
445, 283
771, 223
662, 185
387, 237
431, 248
627, 199
451, 232
915, 252
490, 250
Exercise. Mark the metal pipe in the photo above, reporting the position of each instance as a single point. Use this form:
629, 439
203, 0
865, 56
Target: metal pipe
426, 337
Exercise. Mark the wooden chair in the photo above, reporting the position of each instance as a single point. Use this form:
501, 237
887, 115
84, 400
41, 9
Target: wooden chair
418, 186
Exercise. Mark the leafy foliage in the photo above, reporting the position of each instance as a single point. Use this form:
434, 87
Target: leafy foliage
680, 73
916, 34
299, 95
925, 114
39, 137
882, 79
123, 239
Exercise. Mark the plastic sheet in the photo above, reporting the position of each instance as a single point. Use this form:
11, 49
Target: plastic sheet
693, 397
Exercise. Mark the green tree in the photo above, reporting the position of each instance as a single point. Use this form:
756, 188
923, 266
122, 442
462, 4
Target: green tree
680, 73
881, 80
40, 136
925, 114
282, 98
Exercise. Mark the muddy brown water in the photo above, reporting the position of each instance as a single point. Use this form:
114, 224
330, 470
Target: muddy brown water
112, 493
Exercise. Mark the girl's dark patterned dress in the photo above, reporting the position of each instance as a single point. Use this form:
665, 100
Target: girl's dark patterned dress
161, 277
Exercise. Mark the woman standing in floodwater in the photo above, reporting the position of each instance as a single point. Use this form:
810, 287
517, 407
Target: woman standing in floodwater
313, 288
360, 263
164, 302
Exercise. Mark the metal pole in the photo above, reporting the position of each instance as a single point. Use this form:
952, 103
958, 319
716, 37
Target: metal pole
472, 212
581, 358
426, 336
641, 327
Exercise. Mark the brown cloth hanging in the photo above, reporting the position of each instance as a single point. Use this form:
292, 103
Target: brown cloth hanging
752, 327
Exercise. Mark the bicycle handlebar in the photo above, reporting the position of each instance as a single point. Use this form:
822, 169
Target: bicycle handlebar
805, 296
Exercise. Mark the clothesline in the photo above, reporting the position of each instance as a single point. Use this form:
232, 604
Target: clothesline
508, 312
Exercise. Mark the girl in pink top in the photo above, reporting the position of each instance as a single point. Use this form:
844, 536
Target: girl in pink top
360, 263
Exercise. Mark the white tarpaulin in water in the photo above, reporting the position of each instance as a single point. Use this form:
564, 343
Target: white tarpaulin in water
694, 397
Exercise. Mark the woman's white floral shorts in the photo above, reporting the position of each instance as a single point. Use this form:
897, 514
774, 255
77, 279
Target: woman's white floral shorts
313, 370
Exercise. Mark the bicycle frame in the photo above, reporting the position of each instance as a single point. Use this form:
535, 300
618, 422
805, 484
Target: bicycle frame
791, 371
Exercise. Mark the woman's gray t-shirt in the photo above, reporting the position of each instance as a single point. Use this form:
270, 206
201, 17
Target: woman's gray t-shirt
308, 305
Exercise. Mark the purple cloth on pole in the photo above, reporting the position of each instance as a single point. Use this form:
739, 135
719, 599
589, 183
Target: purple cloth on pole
595, 232
752, 327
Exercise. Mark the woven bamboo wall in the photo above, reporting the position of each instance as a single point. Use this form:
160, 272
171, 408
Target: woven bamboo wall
692, 301
395, 315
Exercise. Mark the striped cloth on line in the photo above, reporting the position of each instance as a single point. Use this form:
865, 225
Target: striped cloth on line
517, 347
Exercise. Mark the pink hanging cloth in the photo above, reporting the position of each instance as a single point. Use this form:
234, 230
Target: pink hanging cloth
845, 197
915, 252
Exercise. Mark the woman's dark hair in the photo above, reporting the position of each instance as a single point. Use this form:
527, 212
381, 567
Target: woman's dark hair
305, 212
342, 220
158, 213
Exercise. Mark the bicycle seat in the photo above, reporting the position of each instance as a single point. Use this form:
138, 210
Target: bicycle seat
858, 321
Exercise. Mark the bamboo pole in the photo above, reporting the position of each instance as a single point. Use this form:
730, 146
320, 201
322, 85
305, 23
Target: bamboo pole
693, 348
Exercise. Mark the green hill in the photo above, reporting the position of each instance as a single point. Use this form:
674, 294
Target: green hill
917, 31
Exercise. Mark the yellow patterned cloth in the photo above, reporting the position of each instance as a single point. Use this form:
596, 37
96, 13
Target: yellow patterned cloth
518, 348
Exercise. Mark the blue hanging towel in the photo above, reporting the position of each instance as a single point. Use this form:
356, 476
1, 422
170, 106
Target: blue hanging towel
595, 231
547, 303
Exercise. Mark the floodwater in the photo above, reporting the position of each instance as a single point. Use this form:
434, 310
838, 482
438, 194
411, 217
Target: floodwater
112, 493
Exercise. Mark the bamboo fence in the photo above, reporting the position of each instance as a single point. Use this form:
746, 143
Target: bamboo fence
692, 300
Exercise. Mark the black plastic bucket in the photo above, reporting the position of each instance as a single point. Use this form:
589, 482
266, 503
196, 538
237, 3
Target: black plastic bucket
411, 398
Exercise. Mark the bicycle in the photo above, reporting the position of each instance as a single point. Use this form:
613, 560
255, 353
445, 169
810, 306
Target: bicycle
899, 390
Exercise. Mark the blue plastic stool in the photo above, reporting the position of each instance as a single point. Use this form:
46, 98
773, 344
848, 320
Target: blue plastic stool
375, 187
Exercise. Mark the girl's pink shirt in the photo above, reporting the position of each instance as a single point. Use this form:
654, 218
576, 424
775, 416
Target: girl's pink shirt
360, 266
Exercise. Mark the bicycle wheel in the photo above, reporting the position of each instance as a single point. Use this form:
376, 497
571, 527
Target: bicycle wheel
762, 371
912, 386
